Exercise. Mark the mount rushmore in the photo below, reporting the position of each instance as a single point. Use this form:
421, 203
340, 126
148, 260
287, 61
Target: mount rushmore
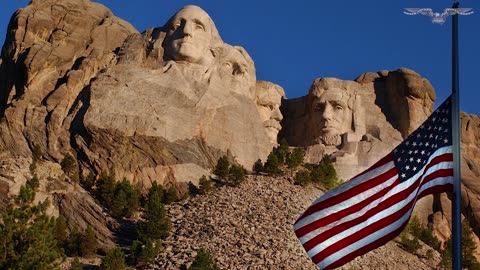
164, 104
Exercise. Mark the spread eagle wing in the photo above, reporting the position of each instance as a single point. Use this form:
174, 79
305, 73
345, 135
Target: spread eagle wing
415, 11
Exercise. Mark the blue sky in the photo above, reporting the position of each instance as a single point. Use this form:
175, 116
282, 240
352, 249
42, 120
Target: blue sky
294, 42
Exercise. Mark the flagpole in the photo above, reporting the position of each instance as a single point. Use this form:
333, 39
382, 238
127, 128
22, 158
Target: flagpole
457, 179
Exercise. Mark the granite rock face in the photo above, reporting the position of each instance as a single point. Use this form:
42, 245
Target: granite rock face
76, 79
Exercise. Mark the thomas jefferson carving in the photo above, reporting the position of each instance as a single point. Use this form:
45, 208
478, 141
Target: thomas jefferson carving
269, 98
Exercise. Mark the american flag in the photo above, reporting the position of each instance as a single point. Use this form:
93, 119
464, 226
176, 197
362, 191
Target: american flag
374, 207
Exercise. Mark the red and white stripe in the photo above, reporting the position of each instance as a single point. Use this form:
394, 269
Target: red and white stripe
369, 210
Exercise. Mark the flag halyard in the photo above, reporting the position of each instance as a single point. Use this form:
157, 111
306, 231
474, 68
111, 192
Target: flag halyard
374, 207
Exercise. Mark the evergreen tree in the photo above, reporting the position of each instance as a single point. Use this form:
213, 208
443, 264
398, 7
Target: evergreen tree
27, 234
126, 199
222, 167
106, 188
469, 261
236, 174
302, 178
170, 195
88, 243
296, 157
155, 224
272, 164
114, 260
143, 255
61, 233
282, 151
258, 166
203, 261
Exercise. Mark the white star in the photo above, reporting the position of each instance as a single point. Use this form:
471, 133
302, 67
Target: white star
414, 169
423, 152
427, 144
415, 152
414, 143
419, 160
445, 141
404, 175
411, 159
407, 143
407, 167
434, 119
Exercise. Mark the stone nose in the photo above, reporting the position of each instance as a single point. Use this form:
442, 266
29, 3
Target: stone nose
327, 113
188, 28
277, 114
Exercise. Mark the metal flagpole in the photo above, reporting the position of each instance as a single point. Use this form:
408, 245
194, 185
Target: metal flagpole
439, 18
456, 136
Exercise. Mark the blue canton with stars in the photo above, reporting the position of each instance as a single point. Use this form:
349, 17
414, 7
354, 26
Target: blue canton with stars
412, 154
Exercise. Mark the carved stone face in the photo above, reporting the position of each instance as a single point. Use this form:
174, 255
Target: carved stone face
331, 116
189, 36
237, 71
269, 99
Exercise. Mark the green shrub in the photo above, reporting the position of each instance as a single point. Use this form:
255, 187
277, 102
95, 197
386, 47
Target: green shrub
296, 158
170, 195
205, 184
302, 178
411, 245
325, 174
114, 260
203, 261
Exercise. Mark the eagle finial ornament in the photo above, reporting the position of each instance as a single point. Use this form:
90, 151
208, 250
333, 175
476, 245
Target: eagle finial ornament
437, 17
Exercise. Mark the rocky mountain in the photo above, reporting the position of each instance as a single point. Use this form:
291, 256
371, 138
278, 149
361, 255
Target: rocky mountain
152, 107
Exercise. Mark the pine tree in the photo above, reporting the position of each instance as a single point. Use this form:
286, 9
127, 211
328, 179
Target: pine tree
296, 157
236, 174
170, 195
27, 234
61, 233
258, 166
282, 151
155, 224
88, 243
106, 188
271, 166
222, 167
203, 261
114, 260
469, 261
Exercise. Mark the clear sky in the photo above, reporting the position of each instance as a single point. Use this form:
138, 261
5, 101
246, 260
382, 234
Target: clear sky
294, 42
